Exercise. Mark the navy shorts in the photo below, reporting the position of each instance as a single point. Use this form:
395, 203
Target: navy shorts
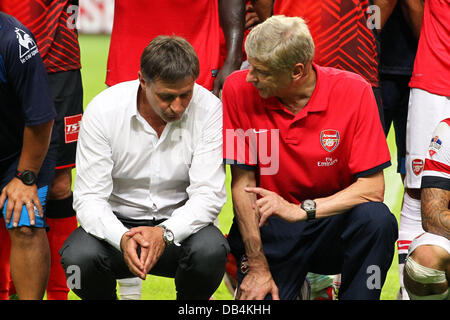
352, 243
67, 93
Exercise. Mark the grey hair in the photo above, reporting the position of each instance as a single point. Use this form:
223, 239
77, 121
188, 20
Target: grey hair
280, 42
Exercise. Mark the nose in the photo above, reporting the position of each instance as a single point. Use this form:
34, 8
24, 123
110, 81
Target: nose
177, 105
251, 78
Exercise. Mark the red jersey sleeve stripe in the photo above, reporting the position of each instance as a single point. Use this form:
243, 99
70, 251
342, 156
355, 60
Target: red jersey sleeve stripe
433, 165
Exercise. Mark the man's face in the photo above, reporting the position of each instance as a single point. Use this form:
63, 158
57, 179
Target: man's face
268, 82
169, 100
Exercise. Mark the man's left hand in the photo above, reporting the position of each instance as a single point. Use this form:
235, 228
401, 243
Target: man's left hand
271, 203
151, 243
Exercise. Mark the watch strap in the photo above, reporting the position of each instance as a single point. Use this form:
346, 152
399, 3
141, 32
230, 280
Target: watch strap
310, 209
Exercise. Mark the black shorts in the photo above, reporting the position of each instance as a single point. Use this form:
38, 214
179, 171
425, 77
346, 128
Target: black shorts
67, 93
395, 94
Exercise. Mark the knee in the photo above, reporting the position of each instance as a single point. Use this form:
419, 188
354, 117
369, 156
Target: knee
211, 254
62, 184
431, 256
75, 253
24, 235
423, 278
377, 218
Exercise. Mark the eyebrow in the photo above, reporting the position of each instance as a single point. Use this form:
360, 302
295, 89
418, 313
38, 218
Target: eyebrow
261, 71
172, 95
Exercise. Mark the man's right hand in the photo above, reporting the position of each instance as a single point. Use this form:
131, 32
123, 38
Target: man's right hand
18, 195
257, 284
129, 246
151, 243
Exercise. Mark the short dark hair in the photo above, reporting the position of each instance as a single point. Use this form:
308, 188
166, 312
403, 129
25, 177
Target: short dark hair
169, 58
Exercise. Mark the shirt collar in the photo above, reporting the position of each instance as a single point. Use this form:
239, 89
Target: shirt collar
132, 109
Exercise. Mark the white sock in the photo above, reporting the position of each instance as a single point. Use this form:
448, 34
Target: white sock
409, 228
130, 288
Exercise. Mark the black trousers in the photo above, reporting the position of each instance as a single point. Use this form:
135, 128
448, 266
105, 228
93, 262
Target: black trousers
197, 266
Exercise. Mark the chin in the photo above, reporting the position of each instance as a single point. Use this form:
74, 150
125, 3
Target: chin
172, 119
264, 94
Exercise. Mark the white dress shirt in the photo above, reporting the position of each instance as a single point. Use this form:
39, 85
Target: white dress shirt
123, 166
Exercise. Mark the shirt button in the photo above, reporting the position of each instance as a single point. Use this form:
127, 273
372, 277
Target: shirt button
154, 208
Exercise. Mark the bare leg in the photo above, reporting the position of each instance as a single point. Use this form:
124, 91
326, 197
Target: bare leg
30, 262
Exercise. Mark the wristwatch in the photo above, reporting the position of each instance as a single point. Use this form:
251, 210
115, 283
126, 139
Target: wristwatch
310, 207
167, 235
28, 177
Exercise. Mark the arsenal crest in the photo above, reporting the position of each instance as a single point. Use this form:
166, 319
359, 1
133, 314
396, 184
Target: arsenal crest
417, 166
329, 139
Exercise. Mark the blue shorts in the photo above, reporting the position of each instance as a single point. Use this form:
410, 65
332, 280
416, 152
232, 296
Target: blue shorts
24, 220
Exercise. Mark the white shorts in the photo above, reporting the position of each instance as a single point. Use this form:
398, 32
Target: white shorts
429, 239
425, 111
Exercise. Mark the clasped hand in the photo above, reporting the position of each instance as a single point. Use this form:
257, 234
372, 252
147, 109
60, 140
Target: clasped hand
151, 243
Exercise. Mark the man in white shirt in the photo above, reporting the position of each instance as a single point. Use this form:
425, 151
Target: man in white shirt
150, 180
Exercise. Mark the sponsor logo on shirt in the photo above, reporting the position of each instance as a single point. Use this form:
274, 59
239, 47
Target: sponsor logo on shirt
27, 46
435, 145
260, 131
71, 128
327, 163
329, 139
417, 166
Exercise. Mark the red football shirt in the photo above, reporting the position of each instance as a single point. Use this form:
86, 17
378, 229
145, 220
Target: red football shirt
340, 32
52, 23
334, 139
137, 22
432, 65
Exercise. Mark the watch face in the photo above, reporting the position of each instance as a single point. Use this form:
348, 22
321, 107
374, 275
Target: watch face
309, 205
168, 235
28, 177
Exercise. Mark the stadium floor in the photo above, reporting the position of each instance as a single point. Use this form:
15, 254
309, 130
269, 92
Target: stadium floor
94, 53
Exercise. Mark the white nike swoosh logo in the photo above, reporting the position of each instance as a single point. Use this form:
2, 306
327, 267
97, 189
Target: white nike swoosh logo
260, 131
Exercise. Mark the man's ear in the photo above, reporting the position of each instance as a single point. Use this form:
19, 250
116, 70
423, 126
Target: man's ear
298, 71
142, 81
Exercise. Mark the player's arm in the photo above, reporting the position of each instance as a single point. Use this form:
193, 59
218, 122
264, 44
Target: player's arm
232, 20
36, 140
386, 8
435, 212
28, 79
94, 183
364, 189
263, 8
258, 282
413, 12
